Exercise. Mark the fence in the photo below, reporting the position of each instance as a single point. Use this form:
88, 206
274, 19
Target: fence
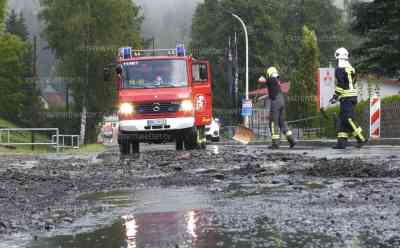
27, 136
314, 127
303, 129
66, 141
307, 128
390, 122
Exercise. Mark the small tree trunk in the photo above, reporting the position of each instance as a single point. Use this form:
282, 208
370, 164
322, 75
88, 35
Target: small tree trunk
83, 124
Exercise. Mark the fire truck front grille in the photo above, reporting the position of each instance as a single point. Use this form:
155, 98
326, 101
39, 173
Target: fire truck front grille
157, 108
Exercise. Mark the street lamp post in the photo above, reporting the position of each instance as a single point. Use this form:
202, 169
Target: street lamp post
246, 118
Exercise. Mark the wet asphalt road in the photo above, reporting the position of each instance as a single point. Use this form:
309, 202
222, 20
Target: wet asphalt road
226, 196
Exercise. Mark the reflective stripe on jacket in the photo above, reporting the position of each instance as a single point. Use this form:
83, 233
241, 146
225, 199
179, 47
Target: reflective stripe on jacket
346, 85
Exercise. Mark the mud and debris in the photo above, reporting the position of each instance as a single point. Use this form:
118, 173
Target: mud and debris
316, 193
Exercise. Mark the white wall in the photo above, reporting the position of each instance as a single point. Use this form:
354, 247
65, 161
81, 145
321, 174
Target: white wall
384, 90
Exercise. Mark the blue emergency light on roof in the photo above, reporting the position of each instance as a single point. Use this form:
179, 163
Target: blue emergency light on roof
180, 50
125, 52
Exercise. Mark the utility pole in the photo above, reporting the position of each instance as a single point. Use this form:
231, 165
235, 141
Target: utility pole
33, 90
67, 97
246, 118
85, 91
153, 40
236, 73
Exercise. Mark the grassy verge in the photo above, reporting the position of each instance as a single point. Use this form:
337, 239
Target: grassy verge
6, 124
42, 150
25, 137
86, 149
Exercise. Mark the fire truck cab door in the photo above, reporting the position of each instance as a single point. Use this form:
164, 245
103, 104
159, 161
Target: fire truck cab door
201, 85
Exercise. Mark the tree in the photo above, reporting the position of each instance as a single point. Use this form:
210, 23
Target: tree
2, 14
275, 35
17, 95
31, 103
378, 22
212, 27
85, 36
322, 17
303, 91
15, 24
12, 50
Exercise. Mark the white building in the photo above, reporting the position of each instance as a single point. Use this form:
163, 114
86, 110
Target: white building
384, 88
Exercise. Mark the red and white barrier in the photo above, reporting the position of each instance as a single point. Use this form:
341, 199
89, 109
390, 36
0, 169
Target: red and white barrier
375, 117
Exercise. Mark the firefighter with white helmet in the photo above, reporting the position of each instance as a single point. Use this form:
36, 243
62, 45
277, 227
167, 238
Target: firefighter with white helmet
346, 93
277, 108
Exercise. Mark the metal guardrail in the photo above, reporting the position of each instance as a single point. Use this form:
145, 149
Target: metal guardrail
63, 141
9, 139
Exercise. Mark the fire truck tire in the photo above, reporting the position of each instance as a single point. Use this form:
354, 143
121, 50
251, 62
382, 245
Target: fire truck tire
201, 138
135, 147
195, 138
124, 148
190, 139
179, 144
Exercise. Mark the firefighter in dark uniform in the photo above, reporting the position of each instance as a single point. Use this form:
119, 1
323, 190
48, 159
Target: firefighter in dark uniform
277, 109
346, 93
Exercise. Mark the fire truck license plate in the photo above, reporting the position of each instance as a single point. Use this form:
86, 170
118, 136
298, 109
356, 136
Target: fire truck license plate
156, 122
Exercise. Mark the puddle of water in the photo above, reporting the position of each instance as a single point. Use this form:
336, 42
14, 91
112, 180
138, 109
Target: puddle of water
214, 149
192, 218
155, 218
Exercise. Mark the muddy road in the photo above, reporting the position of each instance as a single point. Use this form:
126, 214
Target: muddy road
225, 196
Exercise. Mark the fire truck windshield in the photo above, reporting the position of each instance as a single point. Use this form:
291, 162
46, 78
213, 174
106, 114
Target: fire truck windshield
154, 74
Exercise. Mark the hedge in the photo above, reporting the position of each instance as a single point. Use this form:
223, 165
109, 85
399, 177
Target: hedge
361, 115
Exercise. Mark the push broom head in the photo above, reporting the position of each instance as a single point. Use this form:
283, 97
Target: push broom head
243, 135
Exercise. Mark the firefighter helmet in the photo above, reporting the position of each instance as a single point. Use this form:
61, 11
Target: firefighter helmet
272, 72
342, 53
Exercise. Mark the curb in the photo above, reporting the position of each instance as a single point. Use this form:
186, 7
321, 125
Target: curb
321, 142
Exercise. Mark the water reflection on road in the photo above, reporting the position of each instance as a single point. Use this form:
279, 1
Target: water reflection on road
158, 218
173, 229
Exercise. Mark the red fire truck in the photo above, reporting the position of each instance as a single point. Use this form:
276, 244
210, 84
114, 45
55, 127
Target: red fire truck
164, 96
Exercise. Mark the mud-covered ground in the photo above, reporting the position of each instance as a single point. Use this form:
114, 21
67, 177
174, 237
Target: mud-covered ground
315, 190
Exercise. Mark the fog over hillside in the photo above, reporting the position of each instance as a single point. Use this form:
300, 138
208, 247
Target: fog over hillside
168, 21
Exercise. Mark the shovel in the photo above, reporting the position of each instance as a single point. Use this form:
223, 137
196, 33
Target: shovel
243, 135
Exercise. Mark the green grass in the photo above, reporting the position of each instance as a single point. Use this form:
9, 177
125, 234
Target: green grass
25, 137
40, 150
22, 137
6, 124
86, 149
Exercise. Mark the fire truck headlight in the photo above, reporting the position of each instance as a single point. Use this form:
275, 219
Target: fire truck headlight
126, 109
186, 106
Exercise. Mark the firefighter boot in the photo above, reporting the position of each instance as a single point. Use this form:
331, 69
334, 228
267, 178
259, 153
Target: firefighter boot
361, 142
291, 140
274, 145
341, 143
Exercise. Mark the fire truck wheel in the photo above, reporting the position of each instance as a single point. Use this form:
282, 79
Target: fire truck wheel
191, 139
135, 147
124, 148
201, 138
179, 144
